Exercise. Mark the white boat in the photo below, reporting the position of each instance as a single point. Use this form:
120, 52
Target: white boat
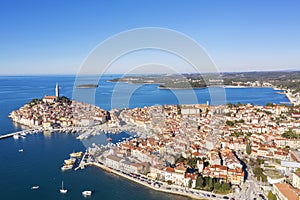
87, 193
62, 190
66, 167
70, 161
21, 150
23, 134
76, 155
35, 187
16, 136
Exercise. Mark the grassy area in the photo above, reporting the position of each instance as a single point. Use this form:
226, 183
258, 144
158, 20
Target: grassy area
273, 174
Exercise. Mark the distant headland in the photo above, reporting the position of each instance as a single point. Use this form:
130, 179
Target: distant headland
86, 86
289, 81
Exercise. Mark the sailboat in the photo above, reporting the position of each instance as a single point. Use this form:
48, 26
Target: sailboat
62, 190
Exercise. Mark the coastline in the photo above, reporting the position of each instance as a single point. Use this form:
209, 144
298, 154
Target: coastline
156, 188
188, 88
292, 99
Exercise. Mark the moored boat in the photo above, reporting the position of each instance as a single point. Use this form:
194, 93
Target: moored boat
16, 136
87, 193
76, 154
70, 161
66, 167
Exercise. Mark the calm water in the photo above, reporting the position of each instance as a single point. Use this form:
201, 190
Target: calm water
43, 154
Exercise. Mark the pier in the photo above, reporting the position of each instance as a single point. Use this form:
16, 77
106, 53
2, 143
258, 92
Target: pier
82, 163
39, 129
19, 133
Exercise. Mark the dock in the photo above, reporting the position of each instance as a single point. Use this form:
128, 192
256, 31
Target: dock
82, 162
29, 131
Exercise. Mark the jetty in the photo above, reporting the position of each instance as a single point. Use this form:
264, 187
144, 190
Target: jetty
19, 133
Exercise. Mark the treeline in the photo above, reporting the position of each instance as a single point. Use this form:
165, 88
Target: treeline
282, 79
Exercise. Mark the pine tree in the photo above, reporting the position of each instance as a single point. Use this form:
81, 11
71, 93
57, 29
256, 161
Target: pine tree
248, 148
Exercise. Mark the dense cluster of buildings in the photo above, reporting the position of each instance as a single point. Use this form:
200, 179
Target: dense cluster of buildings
263, 127
177, 131
213, 135
173, 135
55, 111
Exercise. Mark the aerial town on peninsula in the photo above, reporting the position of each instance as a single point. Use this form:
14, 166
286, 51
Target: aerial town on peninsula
226, 151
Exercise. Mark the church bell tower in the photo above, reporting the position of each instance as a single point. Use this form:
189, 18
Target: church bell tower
57, 90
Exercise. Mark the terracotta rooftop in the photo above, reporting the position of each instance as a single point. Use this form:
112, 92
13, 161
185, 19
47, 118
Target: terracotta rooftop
288, 191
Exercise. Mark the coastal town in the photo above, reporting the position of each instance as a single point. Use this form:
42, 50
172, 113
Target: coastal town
55, 111
227, 151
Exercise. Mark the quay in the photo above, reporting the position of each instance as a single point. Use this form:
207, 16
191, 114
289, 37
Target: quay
82, 163
39, 129
177, 190
29, 131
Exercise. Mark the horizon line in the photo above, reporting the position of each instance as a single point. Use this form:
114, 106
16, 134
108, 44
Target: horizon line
74, 74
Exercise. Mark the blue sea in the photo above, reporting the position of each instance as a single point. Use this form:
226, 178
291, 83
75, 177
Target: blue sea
44, 154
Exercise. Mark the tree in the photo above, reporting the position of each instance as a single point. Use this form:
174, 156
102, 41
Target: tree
225, 187
190, 183
180, 159
259, 174
248, 148
206, 180
269, 104
206, 164
217, 186
229, 123
178, 109
210, 184
235, 134
230, 105
290, 134
200, 182
192, 162
271, 196
64, 99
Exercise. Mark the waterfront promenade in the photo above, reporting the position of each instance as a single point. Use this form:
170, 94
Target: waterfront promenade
164, 187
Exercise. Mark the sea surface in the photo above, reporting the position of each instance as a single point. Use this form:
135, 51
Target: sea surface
44, 153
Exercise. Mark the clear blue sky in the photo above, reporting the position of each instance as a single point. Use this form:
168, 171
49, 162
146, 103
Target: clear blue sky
55, 36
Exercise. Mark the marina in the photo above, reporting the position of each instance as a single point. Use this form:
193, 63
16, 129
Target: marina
17, 135
70, 163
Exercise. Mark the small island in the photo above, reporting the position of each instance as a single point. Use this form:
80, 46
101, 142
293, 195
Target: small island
87, 86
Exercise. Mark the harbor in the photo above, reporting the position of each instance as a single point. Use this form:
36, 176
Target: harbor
23, 133
48, 151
